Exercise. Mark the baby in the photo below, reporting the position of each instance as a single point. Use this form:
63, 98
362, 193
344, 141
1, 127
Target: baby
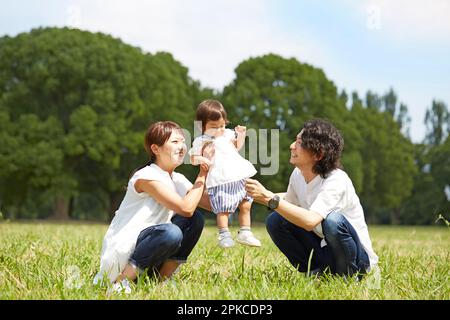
225, 183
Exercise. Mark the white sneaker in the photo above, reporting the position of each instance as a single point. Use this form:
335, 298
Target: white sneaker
225, 240
120, 287
247, 238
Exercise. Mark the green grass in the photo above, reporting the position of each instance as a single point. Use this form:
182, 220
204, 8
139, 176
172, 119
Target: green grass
58, 261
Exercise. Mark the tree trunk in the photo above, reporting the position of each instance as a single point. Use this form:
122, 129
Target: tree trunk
61, 209
71, 207
395, 216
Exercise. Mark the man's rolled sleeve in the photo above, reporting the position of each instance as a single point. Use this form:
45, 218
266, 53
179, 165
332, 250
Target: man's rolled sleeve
327, 200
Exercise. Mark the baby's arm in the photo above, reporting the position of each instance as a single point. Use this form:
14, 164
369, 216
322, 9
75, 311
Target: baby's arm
240, 140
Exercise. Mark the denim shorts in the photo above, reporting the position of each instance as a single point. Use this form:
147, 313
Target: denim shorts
169, 241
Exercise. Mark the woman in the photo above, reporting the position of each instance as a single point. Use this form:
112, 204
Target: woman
157, 225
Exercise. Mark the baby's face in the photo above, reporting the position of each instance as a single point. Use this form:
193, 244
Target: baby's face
215, 128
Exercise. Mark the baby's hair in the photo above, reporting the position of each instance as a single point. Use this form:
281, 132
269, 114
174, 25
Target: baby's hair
210, 110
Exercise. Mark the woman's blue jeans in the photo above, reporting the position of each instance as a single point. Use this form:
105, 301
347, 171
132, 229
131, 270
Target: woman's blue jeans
343, 254
168, 241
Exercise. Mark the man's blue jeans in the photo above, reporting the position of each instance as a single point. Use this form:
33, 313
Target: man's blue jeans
168, 241
343, 254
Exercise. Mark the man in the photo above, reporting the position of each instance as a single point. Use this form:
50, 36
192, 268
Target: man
320, 215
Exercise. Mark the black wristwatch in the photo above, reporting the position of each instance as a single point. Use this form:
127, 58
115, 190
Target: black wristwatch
274, 202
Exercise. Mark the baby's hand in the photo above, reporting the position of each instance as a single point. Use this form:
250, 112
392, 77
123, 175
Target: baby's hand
198, 160
240, 130
203, 160
208, 151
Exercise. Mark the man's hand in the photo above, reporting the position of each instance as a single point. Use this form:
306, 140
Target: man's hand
257, 191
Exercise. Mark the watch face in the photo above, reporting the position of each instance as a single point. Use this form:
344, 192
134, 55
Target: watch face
273, 203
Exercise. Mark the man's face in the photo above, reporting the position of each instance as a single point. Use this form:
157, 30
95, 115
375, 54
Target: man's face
301, 157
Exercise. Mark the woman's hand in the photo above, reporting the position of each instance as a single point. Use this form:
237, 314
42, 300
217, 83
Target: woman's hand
257, 191
204, 168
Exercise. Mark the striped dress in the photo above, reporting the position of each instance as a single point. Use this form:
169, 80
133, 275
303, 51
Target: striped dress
227, 197
226, 177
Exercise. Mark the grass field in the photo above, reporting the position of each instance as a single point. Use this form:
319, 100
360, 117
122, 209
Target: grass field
58, 261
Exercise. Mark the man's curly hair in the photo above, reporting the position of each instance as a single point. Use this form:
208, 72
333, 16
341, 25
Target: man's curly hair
323, 139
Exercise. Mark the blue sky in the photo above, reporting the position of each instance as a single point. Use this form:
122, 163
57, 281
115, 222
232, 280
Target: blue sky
361, 45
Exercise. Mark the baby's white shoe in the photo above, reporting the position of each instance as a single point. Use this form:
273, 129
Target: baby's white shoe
225, 240
247, 238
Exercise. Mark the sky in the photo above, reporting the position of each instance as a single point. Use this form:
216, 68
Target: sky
361, 44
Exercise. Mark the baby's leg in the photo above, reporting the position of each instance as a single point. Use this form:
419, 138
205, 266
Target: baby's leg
244, 213
225, 239
222, 220
245, 235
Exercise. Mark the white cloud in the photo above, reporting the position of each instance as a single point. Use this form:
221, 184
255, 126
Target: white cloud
211, 38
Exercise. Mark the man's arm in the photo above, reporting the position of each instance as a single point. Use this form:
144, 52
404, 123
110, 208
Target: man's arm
299, 216
282, 195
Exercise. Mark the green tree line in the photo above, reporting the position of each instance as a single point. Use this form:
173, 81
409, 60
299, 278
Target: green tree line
74, 107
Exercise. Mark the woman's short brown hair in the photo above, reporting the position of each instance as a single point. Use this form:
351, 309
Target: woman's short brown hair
158, 133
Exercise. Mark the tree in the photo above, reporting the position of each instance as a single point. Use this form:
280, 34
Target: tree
101, 95
428, 198
404, 120
388, 162
390, 102
437, 121
30, 151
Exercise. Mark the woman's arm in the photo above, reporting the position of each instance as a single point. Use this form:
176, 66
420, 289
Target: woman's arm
204, 202
160, 192
299, 216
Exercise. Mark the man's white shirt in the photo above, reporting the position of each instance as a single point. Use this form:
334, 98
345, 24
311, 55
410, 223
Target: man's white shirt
332, 194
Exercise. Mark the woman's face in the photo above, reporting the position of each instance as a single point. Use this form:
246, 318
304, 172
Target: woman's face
171, 153
215, 128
